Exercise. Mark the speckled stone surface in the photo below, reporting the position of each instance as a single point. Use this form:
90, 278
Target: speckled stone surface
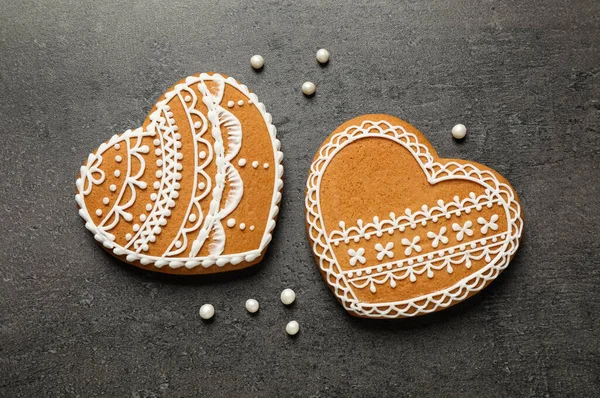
524, 77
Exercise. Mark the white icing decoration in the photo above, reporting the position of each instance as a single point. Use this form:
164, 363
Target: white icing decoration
231, 222
437, 238
113, 187
230, 104
411, 245
496, 254
240, 102
98, 212
106, 201
117, 146
357, 256
242, 162
266, 165
227, 134
410, 219
383, 251
117, 173
487, 225
242, 226
255, 164
462, 230
251, 227
118, 158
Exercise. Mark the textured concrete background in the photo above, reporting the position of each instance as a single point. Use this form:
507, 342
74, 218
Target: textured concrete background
523, 76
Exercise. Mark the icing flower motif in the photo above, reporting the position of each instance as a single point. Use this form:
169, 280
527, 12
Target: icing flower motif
437, 238
357, 256
466, 229
411, 245
486, 225
384, 251
92, 173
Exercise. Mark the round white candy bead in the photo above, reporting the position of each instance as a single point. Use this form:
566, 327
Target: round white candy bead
288, 296
322, 56
252, 305
459, 131
207, 311
308, 88
257, 61
292, 328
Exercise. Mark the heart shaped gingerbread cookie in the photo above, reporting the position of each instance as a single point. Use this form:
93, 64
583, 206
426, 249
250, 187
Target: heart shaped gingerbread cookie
195, 189
398, 231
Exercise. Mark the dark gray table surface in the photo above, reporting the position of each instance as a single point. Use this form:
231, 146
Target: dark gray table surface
523, 76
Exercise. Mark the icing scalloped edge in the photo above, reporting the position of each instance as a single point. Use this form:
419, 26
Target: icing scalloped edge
435, 172
208, 261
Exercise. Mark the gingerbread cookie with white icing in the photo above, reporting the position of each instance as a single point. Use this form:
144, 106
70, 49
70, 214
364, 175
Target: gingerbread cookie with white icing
398, 231
195, 189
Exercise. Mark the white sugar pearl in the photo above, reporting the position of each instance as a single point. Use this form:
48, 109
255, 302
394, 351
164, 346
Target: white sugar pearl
252, 305
322, 56
292, 328
459, 131
257, 61
288, 296
207, 311
308, 88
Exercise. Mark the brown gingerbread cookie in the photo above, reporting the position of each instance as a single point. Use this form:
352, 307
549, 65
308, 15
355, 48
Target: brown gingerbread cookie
195, 189
398, 231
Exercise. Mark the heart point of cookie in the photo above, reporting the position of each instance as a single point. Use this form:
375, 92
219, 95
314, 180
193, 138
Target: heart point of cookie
398, 231
179, 194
